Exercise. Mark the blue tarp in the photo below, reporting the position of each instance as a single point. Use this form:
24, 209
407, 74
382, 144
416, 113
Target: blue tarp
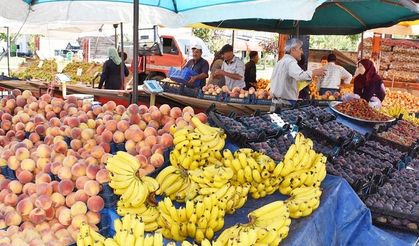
341, 219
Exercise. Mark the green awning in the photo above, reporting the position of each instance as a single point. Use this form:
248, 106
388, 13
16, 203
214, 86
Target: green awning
335, 17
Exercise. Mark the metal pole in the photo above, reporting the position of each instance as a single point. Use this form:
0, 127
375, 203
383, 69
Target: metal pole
362, 45
8, 51
135, 56
298, 29
232, 38
122, 57
115, 26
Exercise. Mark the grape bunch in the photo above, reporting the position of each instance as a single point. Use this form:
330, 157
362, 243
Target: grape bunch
332, 130
355, 166
400, 195
380, 151
233, 126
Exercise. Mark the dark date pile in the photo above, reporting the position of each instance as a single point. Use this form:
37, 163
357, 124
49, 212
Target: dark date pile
233, 126
333, 130
274, 147
383, 152
259, 123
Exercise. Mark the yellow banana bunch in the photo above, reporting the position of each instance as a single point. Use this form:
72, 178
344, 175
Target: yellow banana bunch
133, 190
268, 225
174, 183
198, 219
395, 110
87, 236
197, 148
303, 201
148, 214
212, 176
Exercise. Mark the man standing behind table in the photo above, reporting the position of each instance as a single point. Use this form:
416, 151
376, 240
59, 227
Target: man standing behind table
232, 69
199, 65
335, 73
250, 70
286, 73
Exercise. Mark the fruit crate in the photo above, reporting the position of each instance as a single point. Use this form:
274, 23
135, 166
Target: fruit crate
390, 143
387, 127
170, 87
263, 101
385, 222
189, 92
218, 98
340, 138
229, 99
382, 152
181, 76
270, 129
321, 114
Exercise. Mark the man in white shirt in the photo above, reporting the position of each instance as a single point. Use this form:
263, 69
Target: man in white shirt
334, 74
232, 69
286, 73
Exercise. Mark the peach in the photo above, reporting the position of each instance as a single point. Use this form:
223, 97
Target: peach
56, 226
60, 147
78, 170
4, 226
87, 134
24, 118
22, 153
134, 119
15, 187
56, 167
44, 202
75, 133
10, 199
167, 119
181, 123
107, 136
153, 108
154, 124
26, 226
12, 218
118, 137
44, 189
29, 188
150, 131
28, 164
37, 216
105, 158
165, 109
64, 217
69, 161
70, 199
13, 163
44, 151
188, 109
64, 173
148, 169
73, 122
130, 134
28, 143
50, 213
25, 177
151, 140
146, 151
95, 203
57, 199
19, 126
78, 208
20, 101
11, 104
54, 184
91, 123
76, 144
133, 109
93, 218
167, 140
122, 125
6, 116
26, 94
147, 117
202, 117
175, 112
142, 125
65, 187
120, 109
97, 110
91, 187
91, 171
81, 196
42, 178
143, 160
40, 129
111, 125
102, 176
130, 147
157, 148
106, 148
156, 115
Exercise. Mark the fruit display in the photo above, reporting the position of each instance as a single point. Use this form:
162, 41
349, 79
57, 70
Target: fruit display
268, 225
232, 126
398, 198
332, 130
328, 95
359, 108
322, 146
398, 223
262, 83
355, 166
380, 151
319, 113
274, 147
236, 92
303, 201
291, 116
396, 110
402, 100
213, 90
403, 133
270, 128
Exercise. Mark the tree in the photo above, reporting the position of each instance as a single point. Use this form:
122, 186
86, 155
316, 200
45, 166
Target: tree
211, 37
345, 43
270, 46
3, 36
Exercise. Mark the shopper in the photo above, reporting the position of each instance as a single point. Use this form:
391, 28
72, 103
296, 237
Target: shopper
199, 65
368, 83
286, 73
232, 69
250, 70
217, 63
111, 73
323, 61
334, 75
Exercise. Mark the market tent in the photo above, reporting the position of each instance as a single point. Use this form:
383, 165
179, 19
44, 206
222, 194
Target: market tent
402, 28
174, 13
334, 17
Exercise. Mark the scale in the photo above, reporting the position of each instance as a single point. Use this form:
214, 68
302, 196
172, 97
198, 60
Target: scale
154, 88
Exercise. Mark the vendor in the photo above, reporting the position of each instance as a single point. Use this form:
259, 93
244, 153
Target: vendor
111, 73
250, 70
286, 73
199, 65
217, 63
232, 69
334, 75
368, 82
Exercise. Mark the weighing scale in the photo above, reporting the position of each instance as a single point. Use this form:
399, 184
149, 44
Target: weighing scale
154, 88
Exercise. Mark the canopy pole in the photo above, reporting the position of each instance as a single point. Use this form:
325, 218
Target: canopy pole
362, 45
135, 56
115, 27
298, 29
122, 57
232, 38
8, 50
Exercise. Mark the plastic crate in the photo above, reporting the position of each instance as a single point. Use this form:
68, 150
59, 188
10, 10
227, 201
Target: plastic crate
218, 98
174, 88
230, 99
181, 76
189, 92
263, 102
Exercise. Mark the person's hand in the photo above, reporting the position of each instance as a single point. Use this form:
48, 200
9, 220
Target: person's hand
192, 80
319, 72
219, 72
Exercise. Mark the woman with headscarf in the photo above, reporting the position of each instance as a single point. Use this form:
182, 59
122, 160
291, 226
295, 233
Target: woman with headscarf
368, 83
111, 73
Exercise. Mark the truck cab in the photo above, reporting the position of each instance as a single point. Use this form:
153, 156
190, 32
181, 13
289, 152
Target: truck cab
176, 51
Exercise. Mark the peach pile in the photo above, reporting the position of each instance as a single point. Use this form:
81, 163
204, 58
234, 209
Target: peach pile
58, 150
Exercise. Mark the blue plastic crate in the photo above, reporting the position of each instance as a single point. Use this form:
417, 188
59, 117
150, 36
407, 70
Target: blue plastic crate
263, 102
219, 97
230, 99
174, 88
189, 92
181, 76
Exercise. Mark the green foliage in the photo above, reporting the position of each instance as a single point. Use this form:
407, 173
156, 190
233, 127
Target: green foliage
345, 43
211, 37
270, 46
3, 36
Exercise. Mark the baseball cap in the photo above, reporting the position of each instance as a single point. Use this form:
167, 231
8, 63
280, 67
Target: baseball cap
197, 46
